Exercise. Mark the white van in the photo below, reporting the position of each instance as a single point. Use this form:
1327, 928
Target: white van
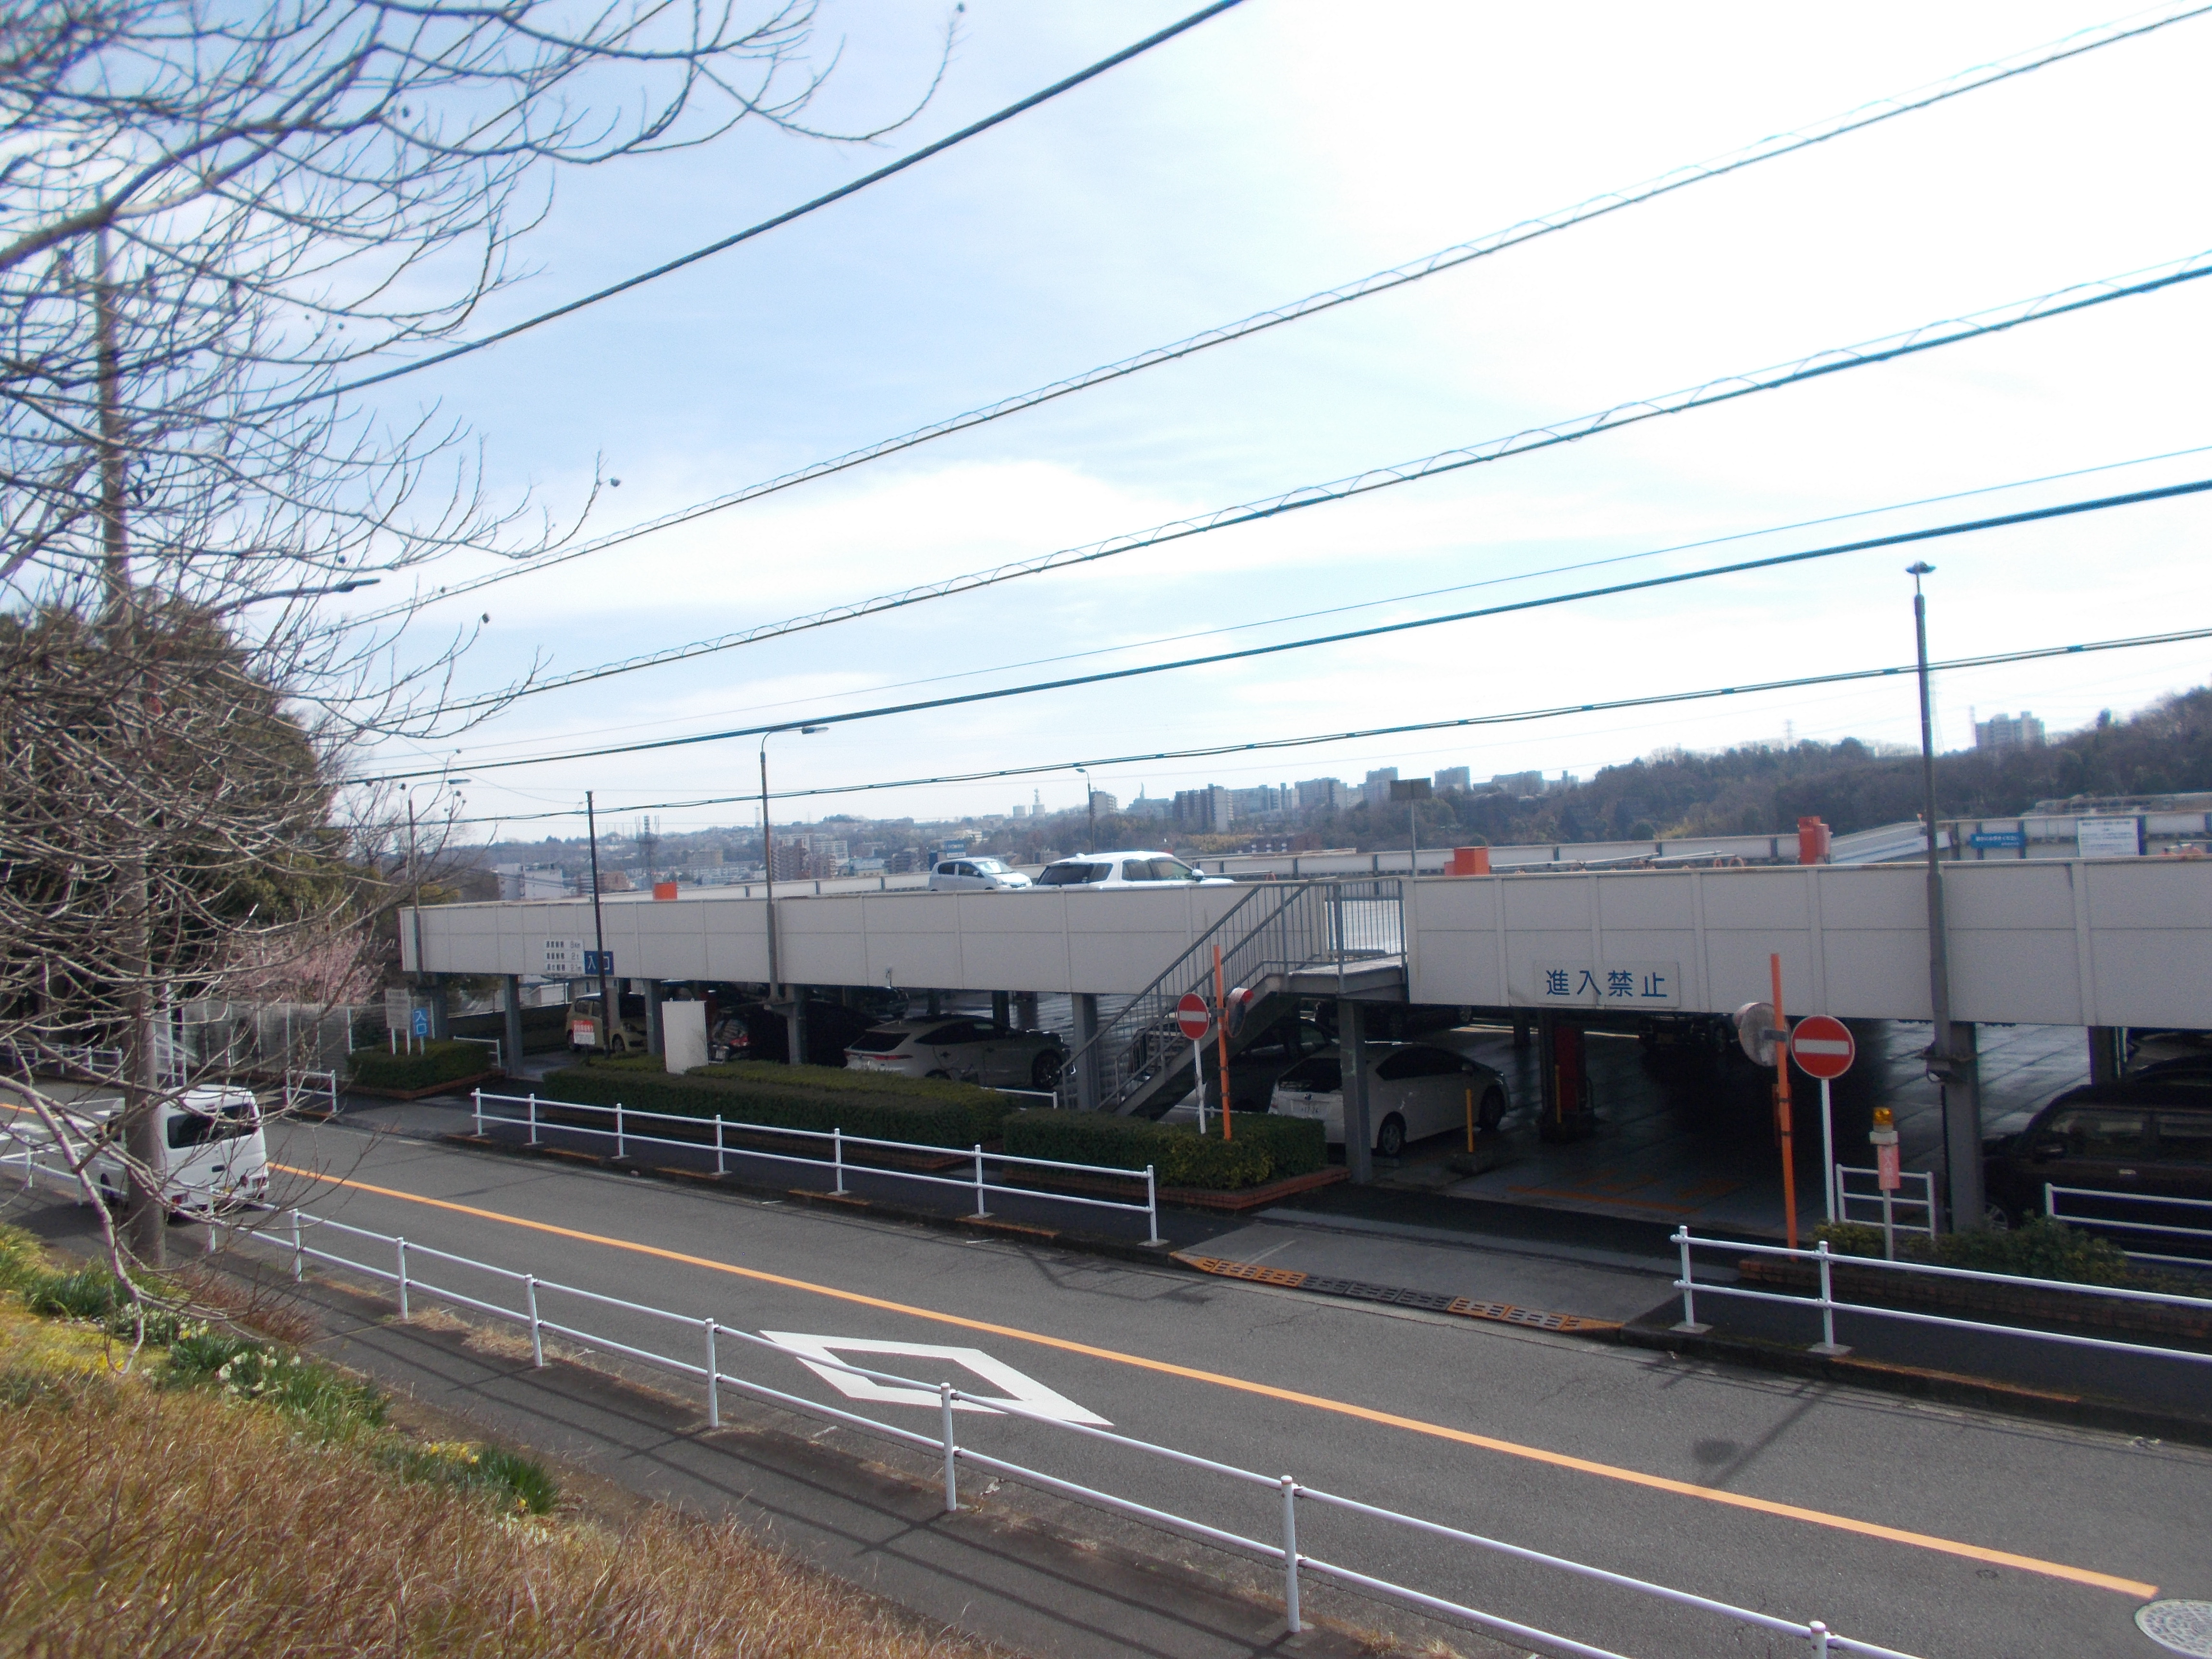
213, 1152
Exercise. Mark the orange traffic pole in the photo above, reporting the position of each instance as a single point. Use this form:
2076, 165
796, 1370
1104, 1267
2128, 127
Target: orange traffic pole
1221, 1033
1781, 1107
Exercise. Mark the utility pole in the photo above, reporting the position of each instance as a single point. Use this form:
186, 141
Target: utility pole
607, 1010
1953, 1072
146, 1221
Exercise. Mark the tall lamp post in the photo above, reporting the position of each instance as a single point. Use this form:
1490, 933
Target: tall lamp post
1950, 1070
1089, 800
767, 847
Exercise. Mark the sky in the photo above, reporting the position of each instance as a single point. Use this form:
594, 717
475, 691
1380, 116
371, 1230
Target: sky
1281, 148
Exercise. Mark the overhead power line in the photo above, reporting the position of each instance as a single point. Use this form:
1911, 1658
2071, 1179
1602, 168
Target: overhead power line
2033, 515
1766, 149
1519, 717
1927, 338
837, 194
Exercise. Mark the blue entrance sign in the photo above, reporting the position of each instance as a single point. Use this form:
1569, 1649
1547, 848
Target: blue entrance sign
421, 1023
599, 961
1998, 838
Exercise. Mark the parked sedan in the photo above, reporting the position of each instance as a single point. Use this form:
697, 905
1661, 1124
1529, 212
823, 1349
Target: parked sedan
1413, 1090
974, 875
972, 1050
1125, 869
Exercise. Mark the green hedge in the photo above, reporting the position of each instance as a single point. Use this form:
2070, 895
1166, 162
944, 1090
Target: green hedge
423, 1067
2040, 1248
1265, 1148
928, 1111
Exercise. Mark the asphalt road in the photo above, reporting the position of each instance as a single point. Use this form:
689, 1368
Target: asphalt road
1938, 1532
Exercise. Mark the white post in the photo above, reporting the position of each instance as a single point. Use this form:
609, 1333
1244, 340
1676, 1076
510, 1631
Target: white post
1820, 1638
1689, 1325
1889, 1227
299, 1266
536, 1335
951, 1450
718, 1144
980, 1210
713, 1381
1198, 1079
403, 1279
1290, 1555
1828, 1344
1151, 1206
477, 1095
619, 1145
533, 1117
1828, 1150
837, 1155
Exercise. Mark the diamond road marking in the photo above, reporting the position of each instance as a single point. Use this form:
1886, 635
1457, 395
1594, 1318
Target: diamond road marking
821, 1354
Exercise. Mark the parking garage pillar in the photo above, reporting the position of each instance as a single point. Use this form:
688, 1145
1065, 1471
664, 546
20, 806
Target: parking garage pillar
1086, 1073
652, 1043
1026, 1009
794, 1025
1962, 1131
511, 1004
1358, 1126
1521, 1034
999, 1009
2108, 1053
441, 1026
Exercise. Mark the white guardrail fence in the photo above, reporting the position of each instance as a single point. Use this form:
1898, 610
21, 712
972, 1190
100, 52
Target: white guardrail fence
295, 1228
623, 1131
1859, 1198
2053, 1194
1824, 1300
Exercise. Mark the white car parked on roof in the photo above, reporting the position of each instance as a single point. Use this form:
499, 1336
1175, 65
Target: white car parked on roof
1138, 868
974, 876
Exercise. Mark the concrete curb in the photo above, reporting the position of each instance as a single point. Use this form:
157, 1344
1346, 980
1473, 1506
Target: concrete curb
1352, 1290
1947, 1388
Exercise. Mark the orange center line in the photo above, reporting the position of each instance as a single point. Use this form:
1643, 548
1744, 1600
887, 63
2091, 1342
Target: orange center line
2057, 1570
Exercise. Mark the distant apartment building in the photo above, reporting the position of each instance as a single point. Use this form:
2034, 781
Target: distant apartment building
790, 862
1102, 802
1150, 807
530, 881
1375, 788
1519, 783
1454, 777
2003, 733
1255, 802
1204, 811
1321, 795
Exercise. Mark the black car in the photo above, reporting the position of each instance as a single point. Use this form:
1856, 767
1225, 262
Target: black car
2143, 1136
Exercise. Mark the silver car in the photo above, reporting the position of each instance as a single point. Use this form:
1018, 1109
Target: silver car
970, 1050
974, 876
1413, 1090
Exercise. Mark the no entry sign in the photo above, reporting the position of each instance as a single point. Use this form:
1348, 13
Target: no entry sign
1822, 1047
1192, 1017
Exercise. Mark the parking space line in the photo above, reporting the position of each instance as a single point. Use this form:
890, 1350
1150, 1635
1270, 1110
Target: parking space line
2057, 1570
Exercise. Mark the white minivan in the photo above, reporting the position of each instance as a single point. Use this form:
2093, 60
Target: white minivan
214, 1152
1135, 867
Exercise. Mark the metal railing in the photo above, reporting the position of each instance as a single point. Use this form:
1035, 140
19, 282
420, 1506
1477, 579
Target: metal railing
1874, 1212
709, 1369
622, 1130
318, 1090
1276, 930
1825, 1260
492, 1043
2052, 1193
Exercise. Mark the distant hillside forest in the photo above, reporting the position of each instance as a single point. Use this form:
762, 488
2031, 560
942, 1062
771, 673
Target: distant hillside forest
1764, 790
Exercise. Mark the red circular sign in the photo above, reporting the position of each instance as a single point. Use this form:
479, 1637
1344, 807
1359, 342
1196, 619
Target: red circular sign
1822, 1047
1193, 1015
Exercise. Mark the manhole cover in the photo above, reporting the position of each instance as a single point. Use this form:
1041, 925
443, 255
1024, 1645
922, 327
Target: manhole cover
2178, 1626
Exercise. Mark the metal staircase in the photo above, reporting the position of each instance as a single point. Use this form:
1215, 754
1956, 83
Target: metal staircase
1282, 939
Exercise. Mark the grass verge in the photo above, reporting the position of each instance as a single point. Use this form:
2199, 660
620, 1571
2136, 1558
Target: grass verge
232, 1496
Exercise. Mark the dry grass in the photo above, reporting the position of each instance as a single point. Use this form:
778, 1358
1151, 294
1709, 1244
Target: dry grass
192, 1522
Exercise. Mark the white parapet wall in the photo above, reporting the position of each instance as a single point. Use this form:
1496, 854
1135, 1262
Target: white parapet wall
2098, 942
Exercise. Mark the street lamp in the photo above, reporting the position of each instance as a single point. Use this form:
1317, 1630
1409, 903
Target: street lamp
768, 845
1091, 800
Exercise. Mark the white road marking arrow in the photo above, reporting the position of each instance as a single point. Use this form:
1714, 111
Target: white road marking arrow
820, 1355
